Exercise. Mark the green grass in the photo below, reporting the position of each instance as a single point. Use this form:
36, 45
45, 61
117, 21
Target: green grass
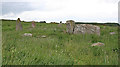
58, 48
0, 43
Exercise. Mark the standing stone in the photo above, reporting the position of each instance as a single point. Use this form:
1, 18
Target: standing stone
70, 24
33, 24
97, 28
18, 24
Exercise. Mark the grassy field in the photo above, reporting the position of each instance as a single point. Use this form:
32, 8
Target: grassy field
58, 48
0, 43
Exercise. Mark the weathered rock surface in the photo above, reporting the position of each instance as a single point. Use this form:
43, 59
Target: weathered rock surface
86, 28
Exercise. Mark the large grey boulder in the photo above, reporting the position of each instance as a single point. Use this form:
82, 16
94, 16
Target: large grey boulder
73, 28
86, 28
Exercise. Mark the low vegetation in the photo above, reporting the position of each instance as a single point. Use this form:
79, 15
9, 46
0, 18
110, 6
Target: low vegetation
58, 48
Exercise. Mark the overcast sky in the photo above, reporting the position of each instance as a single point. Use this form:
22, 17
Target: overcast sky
61, 10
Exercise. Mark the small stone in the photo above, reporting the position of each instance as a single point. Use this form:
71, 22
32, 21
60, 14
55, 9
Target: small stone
98, 44
112, 33
27, 34
43, 36
55, 29
45, 28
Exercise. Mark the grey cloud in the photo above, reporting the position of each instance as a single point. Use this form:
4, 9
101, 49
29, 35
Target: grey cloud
15, 7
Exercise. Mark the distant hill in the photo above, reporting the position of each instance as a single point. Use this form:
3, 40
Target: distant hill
95, 23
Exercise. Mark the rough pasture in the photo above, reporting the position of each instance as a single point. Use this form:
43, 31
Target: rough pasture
58, 48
